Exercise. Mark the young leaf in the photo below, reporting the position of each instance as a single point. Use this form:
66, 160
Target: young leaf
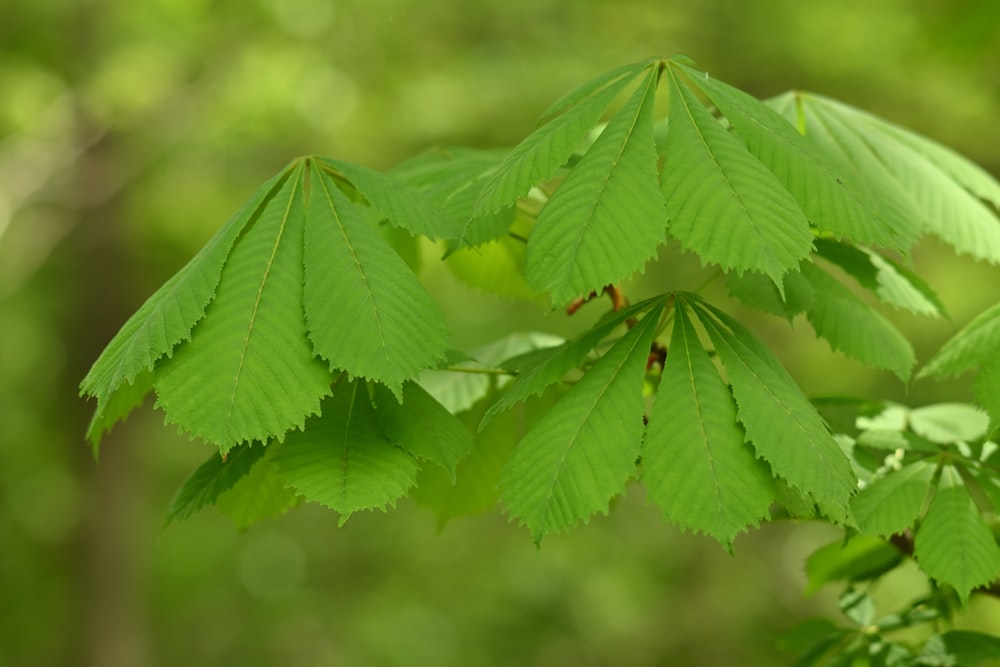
366, 311
783, 426
953, 545
423, 427
546, 149
824, 191
211, 479
853, 327
607, 218
171, 312
893, 503
343, 460
541, 368
696, 464
723, 203
248, 372
580, 454
403, 206
946, 423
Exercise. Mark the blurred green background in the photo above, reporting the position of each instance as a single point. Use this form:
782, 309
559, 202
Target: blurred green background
129, 132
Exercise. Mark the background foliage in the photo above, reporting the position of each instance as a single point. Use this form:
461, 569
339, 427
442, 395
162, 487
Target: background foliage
129, 132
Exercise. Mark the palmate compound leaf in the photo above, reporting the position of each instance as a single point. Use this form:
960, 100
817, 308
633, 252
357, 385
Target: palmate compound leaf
563, 129
825, 192
953, 545
779, 420
538, 369
342, 459
892, 503
853, 327
165, 320
366, 311
579, 455
248, 372
606, 219
696, 464
723, 203
975, 347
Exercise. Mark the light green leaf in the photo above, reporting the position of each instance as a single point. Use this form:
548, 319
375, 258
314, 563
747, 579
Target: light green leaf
971, 648
853, 327
122, 401
987, 390
248, 372
696, 464
723, 203
758, 291
366, 311
260, 494
889, 281
581, 453
342, 459
840, 145
496, 268
783, 426
824, 190
953, 545
539, 369
403, 206
946, 423
171, 312
422, 426
546, 149
893, 503
974, 344
607, 218
211, 479
862, 557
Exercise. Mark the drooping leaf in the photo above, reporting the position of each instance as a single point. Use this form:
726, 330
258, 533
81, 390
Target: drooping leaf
343, 460
546, 149
168, 316
723, 203
855, 328
825, 192
403, 206
783, 426
260, 494
860, 558
579, 455
366, 311
954, 545
607, 218
122, 401
496, 267
539, 369
758, 291
893, 503
248, 371
975, 343
886, 279
696, 464
212, 478
423, 427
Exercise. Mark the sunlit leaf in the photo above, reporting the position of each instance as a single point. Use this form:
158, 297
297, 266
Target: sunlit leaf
893, 503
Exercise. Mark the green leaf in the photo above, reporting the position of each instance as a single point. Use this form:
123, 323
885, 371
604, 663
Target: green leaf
248, 372
823, 191
987, 390
539, 369
546, 149
496, 268
607, 218
970, 648
366, 311
946, 423
723, 203
343, 460
696, 464
211, 479
783, 426
974, 344
758, 291
853, 327
858, 559
260, 494
953, 545
167, 317
581, 453
403, 206
892, 504
423, 427
122, 401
